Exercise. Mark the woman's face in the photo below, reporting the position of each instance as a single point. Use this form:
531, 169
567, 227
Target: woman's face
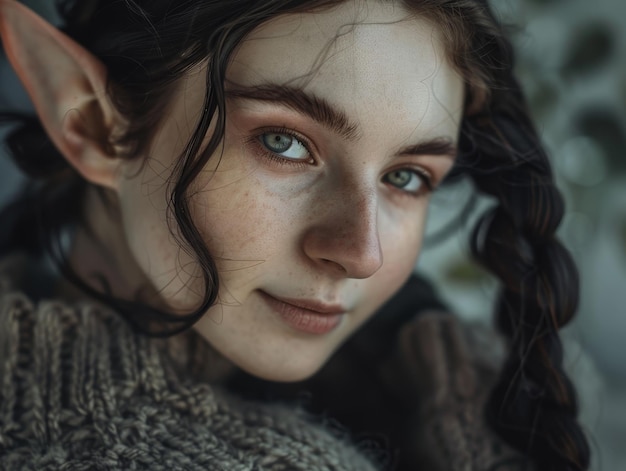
338, 123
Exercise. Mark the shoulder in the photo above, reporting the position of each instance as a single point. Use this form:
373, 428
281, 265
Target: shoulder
453, 365
79, 387
55, 359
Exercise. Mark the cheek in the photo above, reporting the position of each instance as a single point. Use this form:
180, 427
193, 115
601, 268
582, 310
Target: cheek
400, 245
232, 219
241, 223
167, 268
403, 245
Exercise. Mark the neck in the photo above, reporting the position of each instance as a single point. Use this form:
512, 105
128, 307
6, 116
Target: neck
99, 251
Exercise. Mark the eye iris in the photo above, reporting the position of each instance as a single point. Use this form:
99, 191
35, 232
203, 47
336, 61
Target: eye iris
399, 178
277, 142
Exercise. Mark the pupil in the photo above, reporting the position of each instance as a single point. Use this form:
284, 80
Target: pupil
400, 177
278, 142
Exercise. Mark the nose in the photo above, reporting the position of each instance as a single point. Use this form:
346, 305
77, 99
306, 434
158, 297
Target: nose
344, 238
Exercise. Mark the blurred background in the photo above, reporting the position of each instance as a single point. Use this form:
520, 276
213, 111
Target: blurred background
572, 64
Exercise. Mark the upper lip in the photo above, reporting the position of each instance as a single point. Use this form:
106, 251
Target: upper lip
312, 305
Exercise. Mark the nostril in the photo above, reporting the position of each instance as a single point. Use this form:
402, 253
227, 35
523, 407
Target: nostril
335, 265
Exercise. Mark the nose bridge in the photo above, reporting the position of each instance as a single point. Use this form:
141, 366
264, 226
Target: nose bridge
357, 209
347, 233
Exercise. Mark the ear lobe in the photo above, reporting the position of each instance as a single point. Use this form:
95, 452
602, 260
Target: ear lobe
67, 85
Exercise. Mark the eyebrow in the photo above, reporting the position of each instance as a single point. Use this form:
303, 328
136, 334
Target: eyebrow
437, 146
328, 115
315, 107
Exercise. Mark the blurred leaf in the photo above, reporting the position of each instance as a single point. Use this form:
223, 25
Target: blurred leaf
543, 99
544, 2
466, 272
606, 129
623, 235
623, 90
592, 47
582, 161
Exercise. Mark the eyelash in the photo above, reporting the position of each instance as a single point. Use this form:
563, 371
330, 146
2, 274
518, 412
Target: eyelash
255, 140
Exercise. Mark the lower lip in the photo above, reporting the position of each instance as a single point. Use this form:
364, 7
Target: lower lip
301, 319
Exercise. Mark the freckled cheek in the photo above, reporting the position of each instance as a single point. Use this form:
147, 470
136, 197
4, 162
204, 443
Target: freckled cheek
238, 221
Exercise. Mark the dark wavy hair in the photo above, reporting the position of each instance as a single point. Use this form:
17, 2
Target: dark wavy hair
148, 44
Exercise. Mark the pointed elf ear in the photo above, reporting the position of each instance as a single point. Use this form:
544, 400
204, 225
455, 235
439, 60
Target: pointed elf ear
67, 85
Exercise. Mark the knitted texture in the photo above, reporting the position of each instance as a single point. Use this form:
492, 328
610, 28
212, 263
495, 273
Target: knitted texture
79, 390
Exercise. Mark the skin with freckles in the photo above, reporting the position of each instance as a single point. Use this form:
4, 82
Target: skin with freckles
295, 207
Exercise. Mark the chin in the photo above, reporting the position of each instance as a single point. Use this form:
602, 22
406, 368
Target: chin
291, 372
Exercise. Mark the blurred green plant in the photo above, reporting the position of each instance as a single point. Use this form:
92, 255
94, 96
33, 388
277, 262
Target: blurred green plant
622, 234
543, 98
466, 272
544, 2
605, 128
591, 48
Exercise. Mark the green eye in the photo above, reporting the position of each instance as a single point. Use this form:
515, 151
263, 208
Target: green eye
406, 179
285, 145
278, 143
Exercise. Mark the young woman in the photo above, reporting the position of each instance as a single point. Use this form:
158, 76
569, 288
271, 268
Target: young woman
223, 193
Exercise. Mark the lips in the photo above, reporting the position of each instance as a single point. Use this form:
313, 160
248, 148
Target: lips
313, 305
306, 315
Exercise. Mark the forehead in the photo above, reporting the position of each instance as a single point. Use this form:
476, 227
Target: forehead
366, 57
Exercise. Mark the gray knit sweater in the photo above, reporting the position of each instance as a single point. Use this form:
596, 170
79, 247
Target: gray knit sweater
80, 391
